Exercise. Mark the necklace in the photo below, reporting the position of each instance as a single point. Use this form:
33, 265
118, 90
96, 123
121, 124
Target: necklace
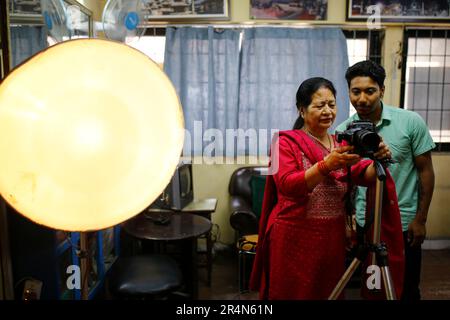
317, 139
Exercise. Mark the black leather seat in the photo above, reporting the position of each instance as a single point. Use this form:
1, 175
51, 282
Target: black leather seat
145, 276
243, 219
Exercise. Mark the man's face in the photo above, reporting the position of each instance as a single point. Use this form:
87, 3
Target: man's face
365, 96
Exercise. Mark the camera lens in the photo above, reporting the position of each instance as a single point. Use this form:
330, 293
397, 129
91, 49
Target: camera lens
367, 140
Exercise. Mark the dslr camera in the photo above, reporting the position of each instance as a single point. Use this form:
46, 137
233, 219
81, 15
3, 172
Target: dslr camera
362, 135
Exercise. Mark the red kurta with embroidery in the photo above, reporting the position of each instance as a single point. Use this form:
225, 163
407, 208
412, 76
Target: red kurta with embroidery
301, 246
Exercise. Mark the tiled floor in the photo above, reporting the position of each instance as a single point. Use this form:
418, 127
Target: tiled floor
435, 284
224, 279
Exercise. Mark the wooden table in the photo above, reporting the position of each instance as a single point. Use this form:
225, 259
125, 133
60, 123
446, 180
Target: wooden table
180, 226
205, 208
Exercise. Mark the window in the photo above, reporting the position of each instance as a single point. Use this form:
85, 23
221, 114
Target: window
426, 81
79, 19
363, 45
152, 43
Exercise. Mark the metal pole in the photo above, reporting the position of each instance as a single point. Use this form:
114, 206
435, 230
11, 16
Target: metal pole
84, 266
388, 283
344, 280
377, 216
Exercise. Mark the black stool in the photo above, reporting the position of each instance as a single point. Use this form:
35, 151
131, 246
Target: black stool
145, 276
246, 248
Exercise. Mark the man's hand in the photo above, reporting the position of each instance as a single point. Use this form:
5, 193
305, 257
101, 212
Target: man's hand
424, 165
416, 233
383, 152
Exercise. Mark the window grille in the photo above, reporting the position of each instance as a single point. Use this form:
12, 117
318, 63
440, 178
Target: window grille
426, 80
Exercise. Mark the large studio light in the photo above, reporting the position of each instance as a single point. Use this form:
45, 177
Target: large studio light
90, 134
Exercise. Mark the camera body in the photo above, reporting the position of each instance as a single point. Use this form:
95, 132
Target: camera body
362, 135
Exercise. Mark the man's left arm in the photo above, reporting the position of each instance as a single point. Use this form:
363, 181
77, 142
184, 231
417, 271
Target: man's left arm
417, 229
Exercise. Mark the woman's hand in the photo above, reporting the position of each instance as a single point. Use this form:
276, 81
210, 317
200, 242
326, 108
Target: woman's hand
383, 152
340, 158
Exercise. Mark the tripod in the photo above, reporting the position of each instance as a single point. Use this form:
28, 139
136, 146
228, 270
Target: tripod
378, 249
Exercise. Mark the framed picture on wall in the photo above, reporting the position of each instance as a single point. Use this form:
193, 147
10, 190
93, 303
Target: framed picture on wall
399, 10
289, 9
186, 9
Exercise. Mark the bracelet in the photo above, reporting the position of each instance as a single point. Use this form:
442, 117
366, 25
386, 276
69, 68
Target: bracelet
323, 168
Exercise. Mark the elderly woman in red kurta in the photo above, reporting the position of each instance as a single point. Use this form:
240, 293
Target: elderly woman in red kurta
302, 236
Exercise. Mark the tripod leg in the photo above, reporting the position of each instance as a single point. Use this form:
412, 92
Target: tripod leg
383, 262
344, 279
377, 218
388, 284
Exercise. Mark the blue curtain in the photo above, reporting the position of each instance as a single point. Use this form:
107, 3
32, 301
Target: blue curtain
274, 63
203, 65
25, 42
253, 91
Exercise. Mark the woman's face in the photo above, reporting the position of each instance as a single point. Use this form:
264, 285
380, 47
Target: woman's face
321, 112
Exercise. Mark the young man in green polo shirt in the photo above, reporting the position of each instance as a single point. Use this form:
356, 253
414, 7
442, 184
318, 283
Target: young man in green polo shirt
410, 142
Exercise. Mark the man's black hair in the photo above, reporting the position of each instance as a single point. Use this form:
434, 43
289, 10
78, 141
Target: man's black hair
366, 68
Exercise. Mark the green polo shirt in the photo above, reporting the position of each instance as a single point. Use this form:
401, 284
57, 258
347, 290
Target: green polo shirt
407, 136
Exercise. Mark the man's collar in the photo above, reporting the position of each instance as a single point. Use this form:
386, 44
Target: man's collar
386, 115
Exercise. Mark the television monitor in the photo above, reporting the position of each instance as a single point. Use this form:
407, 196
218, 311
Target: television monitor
180, 190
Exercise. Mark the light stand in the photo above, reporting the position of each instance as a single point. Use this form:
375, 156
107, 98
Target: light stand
378, 249
84, 270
